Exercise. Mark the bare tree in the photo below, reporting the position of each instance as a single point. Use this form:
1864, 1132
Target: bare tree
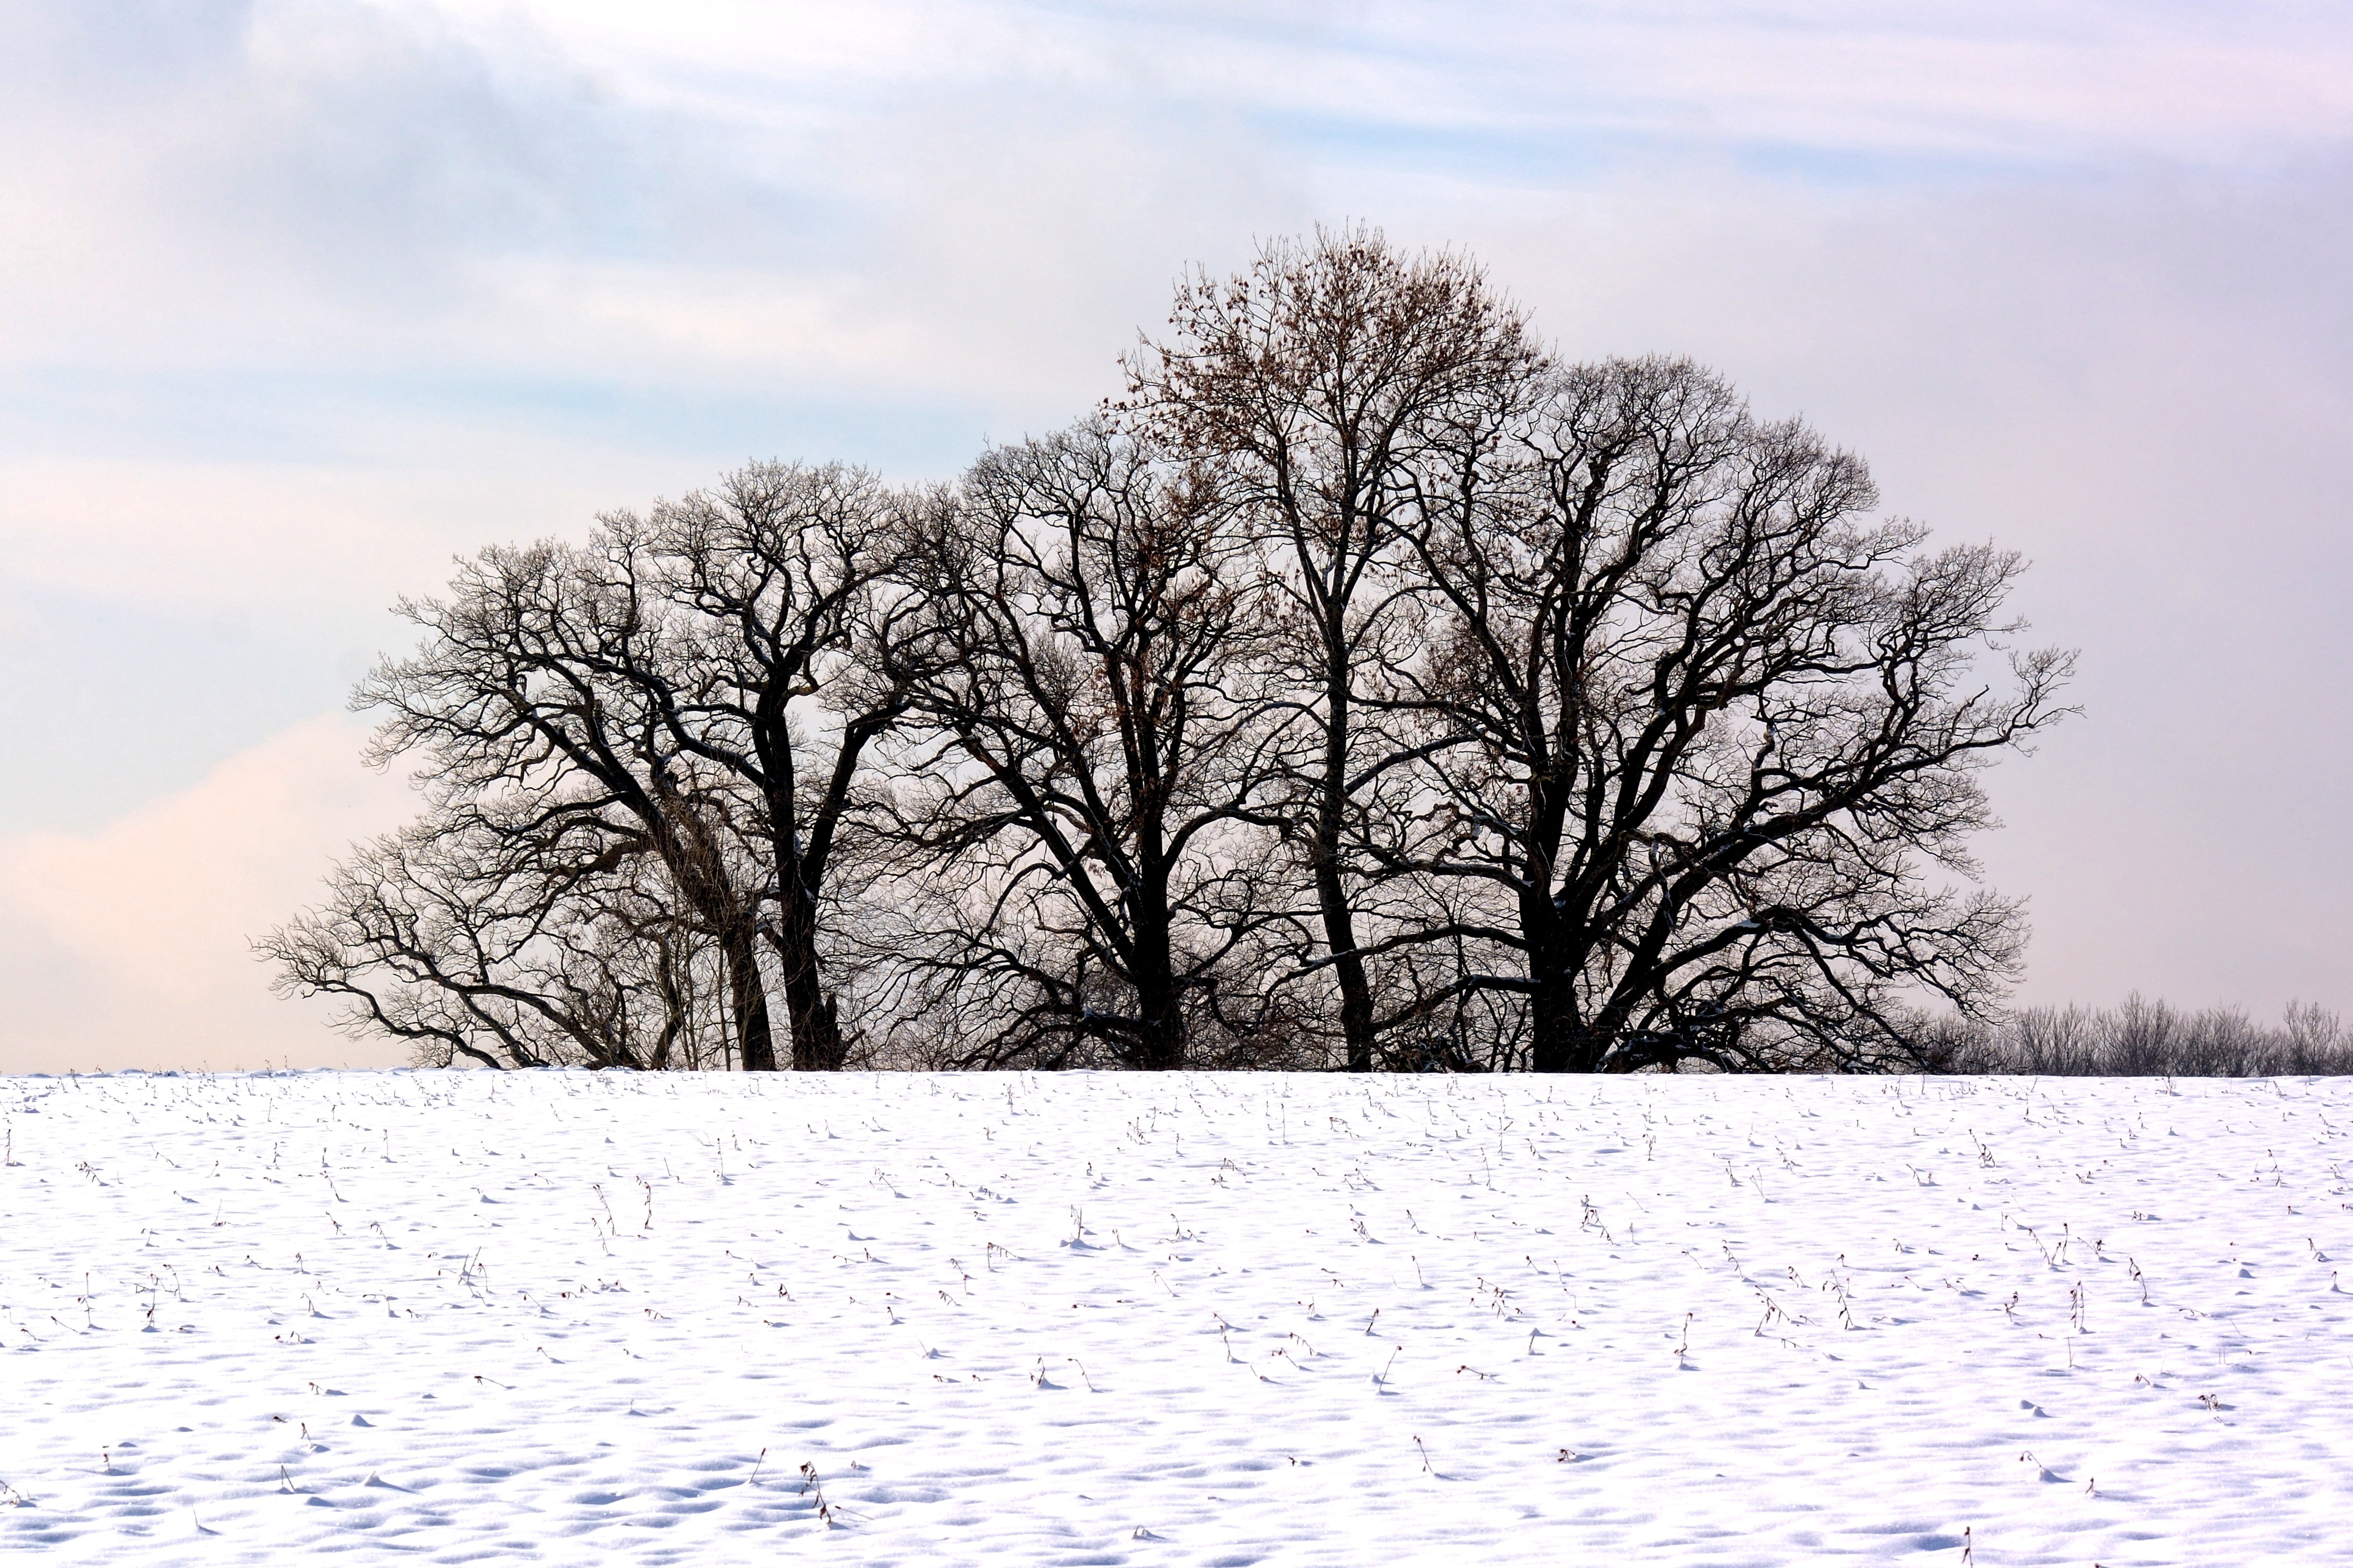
543, 704
787, 573
1711, 733
1320, 379
507, 949
1080, 796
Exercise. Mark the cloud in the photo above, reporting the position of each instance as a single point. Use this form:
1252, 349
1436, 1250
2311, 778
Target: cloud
302, 297
602, 191
2013, 81
127, 947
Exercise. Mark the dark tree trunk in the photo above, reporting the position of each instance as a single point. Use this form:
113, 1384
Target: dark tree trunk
1557, 1035
1331, 893
1159, 1031
1355, 991
1159, 1027
809, 1008
756, 1040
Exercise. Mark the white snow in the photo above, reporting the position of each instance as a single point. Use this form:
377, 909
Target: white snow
1188, 1319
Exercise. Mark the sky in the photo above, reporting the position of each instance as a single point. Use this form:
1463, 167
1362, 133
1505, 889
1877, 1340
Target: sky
299, 298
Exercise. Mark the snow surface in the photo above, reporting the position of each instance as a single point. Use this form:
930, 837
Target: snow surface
1182, 1320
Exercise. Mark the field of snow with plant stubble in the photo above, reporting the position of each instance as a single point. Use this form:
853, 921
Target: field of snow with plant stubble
1174, 1319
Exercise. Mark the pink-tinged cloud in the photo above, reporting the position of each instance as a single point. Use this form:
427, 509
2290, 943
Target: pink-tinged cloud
127, 947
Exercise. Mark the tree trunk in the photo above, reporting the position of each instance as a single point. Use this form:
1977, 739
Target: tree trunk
1553, 1035
808, 1008
1331, 893
1340, 934
1160, 1031
756, 1042
1561, 1039
1160, 1034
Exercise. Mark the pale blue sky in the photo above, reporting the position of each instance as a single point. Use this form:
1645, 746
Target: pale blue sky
300, 297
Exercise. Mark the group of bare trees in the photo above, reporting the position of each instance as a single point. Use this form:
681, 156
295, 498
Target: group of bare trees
2144, 1040
1364, 689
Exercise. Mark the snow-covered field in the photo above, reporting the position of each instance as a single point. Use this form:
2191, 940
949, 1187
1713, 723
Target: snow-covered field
579, 1318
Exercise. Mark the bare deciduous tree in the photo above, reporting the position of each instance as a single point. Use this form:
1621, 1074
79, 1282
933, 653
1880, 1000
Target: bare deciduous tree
1716, 727
1083, 796
1320, 379
544, 702
787, 573
474, 941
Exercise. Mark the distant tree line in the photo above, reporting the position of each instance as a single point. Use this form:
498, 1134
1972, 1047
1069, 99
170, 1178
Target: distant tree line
2142, 1039
1366, 688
